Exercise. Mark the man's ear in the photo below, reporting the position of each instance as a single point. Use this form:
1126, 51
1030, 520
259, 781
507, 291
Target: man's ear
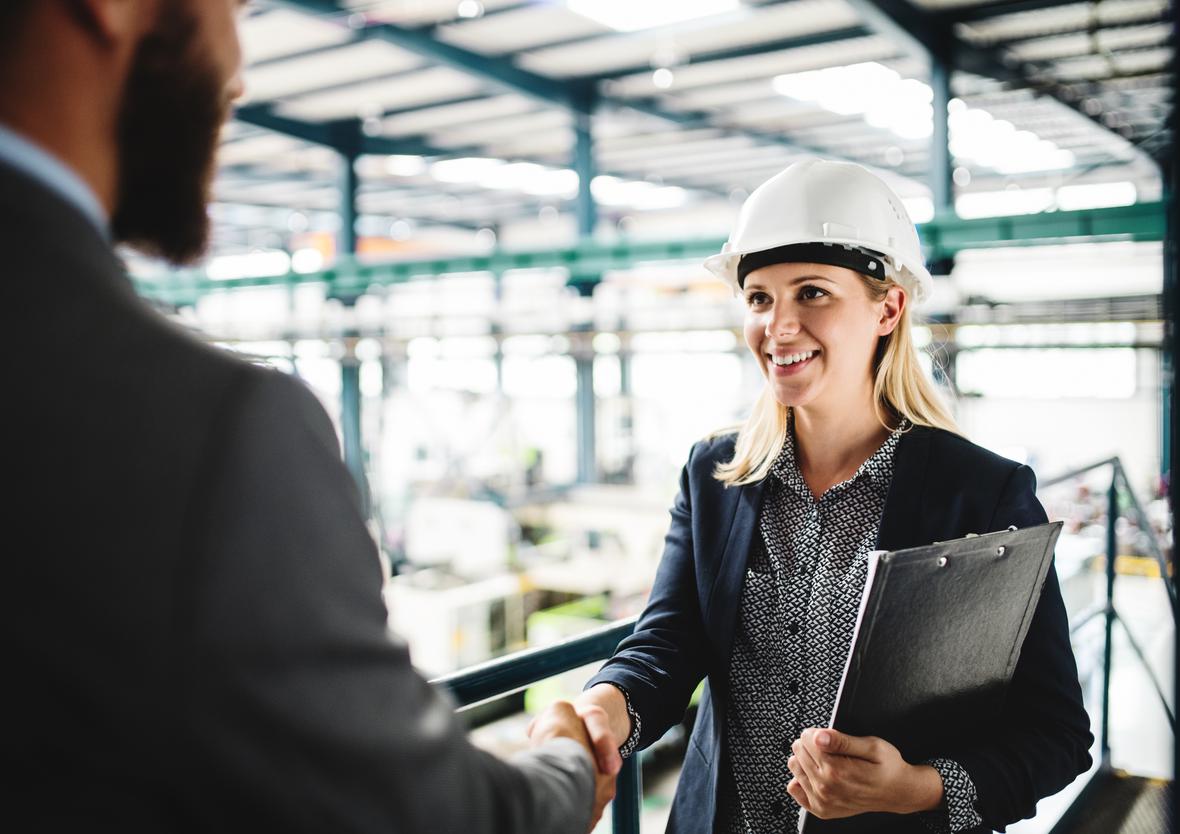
891, 310
114, 21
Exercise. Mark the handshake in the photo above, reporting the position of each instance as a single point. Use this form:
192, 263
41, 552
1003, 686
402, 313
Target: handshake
598, 721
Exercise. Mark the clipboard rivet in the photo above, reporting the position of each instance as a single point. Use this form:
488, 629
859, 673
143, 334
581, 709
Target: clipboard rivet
942, 561
1001, 550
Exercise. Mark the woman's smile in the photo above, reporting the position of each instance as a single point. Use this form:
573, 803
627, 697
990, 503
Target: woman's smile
791, 364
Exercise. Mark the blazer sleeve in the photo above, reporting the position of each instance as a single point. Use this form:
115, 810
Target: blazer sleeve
1044, 739
302, 712
661, 663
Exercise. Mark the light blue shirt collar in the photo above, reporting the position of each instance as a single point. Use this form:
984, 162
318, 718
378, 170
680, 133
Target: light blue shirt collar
51, 172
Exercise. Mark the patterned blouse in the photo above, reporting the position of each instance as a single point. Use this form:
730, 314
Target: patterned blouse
804, 581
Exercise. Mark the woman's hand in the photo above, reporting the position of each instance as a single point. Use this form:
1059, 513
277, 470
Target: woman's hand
604, 712
838, 775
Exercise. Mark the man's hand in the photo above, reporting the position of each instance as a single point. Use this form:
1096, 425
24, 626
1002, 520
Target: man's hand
559, 720
838, 775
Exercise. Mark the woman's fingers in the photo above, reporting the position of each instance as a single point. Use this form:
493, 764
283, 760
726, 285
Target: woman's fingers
799, 793
808, 762
606, 746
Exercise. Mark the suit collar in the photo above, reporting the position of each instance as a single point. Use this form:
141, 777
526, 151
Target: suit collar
38, 164
45, 218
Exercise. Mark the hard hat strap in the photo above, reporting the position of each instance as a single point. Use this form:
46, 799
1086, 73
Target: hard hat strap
863, 261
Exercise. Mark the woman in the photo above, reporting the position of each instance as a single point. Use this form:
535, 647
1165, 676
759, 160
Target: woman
847, 450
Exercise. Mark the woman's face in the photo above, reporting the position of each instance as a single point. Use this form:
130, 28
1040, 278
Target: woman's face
814, 331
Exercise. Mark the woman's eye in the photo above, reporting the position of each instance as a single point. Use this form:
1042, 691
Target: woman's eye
809, 292
755, 299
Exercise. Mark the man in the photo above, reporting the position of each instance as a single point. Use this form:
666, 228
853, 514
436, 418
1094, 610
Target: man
193, 633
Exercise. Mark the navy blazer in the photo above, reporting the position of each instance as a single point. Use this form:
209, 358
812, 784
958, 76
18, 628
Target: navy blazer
943, 487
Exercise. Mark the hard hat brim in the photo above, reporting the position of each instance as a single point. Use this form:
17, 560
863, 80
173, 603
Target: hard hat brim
724, 265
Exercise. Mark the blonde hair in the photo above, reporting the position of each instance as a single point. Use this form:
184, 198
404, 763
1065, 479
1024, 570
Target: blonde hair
900, 389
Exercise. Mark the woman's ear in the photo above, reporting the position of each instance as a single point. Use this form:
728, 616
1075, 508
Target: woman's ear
891, 310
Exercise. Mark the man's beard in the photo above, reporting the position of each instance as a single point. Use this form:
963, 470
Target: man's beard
174, 106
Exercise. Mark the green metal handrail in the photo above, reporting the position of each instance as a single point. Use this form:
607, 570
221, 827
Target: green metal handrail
1111, 615
509, 674
504, 676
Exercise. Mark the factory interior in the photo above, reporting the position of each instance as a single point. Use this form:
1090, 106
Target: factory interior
475, 229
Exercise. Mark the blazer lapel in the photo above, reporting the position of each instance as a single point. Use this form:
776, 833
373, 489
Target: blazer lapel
724, 599
902, 517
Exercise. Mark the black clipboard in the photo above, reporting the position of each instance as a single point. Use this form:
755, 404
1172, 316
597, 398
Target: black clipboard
937, 639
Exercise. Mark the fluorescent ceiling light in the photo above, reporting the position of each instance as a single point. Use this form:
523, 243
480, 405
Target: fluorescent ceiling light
880, 95
636, 194
464, 169
997, 144
531, 179
633, 15
228, 267
903, 106
1001, 203
404, 166
1096, 195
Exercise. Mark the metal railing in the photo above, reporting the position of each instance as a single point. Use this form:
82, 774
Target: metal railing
503, 677
493, 682
1119, 488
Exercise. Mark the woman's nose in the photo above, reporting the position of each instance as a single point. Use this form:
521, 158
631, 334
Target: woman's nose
783, 321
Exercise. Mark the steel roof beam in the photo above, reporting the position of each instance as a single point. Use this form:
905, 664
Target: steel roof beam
502, 73
1021, 40
356, 36
817, 39
340, 136
900, 20
973, 14
347, 137
579, 96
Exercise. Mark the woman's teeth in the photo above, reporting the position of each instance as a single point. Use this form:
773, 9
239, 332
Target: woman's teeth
791, 359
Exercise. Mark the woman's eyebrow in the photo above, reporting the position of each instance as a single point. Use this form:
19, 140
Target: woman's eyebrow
798, 279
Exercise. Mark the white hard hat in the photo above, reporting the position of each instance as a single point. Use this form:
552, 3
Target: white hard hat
839, 203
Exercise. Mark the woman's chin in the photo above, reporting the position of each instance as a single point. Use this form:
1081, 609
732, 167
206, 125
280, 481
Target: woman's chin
793, 396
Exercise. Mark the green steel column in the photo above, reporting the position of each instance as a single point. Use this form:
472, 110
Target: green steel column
1112, 517
1171, 172
497, 331
1171, 302
350, 418
942, 185
628, 797
587, 170
584, 353
350, 366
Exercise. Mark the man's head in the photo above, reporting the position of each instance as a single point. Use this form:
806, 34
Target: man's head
177, 97
135, 102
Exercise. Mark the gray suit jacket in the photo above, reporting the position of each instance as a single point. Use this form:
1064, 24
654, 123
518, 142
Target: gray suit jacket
193, 633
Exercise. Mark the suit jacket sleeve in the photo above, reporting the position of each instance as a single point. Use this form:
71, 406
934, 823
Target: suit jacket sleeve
1045, 736
302, 712
661, 663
